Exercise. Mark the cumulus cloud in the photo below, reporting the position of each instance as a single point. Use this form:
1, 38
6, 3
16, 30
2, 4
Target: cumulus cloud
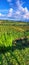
26, 15
21, 12
10, 12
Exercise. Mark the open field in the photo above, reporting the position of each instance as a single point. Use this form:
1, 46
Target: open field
14, 43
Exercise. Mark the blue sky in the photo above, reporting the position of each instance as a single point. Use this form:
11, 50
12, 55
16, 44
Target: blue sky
14, 9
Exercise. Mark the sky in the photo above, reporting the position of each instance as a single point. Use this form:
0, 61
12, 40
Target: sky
14, 10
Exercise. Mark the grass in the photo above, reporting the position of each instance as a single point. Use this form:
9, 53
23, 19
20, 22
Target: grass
12, 53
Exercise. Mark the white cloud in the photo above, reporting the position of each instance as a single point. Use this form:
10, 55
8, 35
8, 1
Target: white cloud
26, 16
1, 15
10, 12
21, 13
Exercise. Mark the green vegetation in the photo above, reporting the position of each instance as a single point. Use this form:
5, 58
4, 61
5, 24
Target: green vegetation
14, 43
